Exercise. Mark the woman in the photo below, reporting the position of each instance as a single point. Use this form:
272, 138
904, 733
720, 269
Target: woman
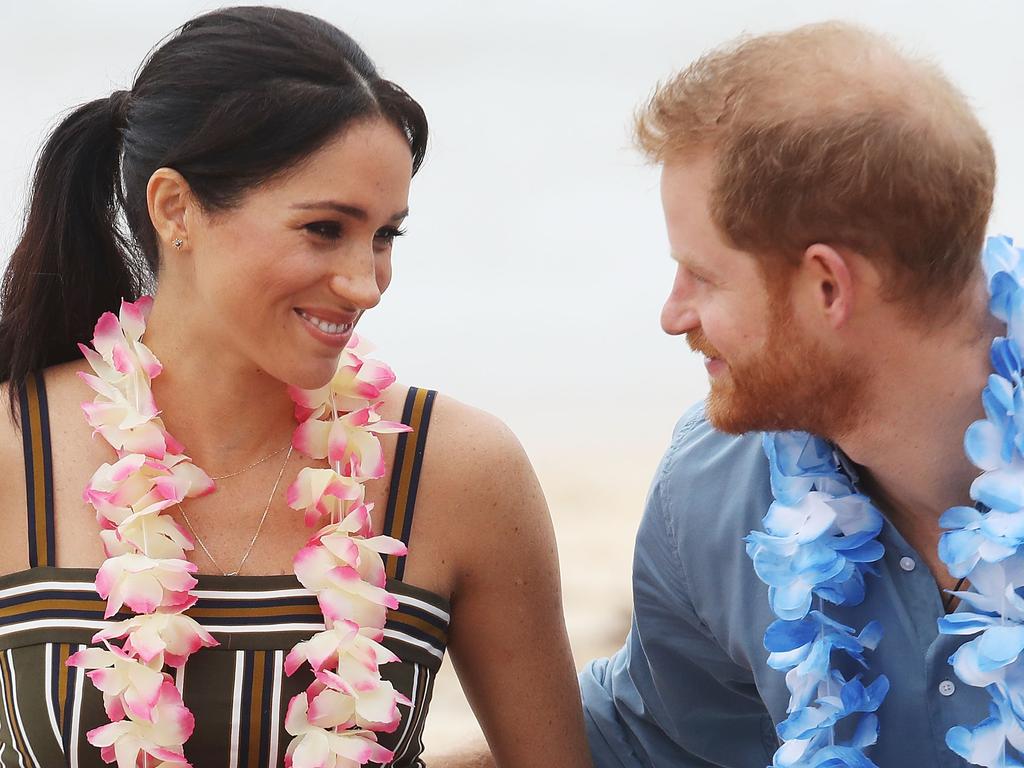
258, 174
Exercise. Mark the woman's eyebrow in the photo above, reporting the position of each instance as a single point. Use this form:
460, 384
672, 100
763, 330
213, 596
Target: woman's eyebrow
349, 210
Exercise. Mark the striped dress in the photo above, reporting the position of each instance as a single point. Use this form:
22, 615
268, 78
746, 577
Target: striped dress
238, 691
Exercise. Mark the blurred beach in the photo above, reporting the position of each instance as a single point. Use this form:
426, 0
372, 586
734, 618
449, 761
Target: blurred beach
535, 264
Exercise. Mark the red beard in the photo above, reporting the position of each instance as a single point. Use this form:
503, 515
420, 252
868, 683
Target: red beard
791, 383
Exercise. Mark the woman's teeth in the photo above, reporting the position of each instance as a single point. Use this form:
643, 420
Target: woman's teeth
326, 327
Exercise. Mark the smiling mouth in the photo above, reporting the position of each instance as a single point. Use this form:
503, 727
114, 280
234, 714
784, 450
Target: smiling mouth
714, 365
334, 329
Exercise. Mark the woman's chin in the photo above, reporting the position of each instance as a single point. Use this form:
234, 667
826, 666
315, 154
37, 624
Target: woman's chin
310, 376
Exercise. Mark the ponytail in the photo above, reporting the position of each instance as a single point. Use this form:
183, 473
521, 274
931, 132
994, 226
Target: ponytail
73, 261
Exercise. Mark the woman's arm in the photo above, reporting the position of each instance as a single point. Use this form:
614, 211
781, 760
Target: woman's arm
474, 756
508, 640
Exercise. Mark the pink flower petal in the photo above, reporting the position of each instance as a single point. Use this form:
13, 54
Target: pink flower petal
387, 545
133, 317
106, 735
107, 332
310, 438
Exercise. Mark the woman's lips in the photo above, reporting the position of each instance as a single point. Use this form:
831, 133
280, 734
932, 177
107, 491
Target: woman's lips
326, 331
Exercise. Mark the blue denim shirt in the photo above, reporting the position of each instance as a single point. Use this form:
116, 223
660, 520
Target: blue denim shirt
691, 686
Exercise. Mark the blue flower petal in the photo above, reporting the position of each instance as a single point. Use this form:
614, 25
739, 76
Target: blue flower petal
870, 636
999, 255
960, 517
1001, 489
959, 551
999, 646
869, 552
983, 443
1004, 295
787, 635
1006, 357
965, 623
997, 400
790, 602
983, 745
1003, 529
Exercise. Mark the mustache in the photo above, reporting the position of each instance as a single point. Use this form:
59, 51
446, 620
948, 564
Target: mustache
699, 343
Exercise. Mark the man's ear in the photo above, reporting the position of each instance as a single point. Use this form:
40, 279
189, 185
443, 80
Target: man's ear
827, 279
169, 198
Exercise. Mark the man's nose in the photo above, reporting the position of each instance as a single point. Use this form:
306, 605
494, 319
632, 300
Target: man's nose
679, 316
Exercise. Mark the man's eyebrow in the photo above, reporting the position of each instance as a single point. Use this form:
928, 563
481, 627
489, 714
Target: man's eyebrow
349, 210
686, 258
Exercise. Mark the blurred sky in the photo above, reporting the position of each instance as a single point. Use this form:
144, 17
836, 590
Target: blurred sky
536, 262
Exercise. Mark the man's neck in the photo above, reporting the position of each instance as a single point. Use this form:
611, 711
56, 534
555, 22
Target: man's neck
920, 403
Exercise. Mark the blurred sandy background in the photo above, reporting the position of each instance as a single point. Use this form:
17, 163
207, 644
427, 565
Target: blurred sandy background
535, 265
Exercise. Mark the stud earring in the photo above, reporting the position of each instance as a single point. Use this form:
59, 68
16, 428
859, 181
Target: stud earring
178, 242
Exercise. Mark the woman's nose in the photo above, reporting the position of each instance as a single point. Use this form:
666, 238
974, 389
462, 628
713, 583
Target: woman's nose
356, 283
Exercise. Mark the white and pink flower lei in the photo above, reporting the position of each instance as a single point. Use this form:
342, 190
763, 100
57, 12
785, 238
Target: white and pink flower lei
335, 720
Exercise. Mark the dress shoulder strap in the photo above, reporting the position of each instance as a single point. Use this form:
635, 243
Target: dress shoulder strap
405, 473
35, 433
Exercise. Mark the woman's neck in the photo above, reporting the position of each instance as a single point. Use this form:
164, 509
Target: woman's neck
225, 410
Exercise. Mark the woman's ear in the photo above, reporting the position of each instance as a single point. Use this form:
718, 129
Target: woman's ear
169, 199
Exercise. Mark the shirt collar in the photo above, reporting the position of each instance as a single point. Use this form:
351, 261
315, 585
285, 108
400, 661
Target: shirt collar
847, 465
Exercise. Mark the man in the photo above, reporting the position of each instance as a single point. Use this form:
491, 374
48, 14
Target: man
826, 199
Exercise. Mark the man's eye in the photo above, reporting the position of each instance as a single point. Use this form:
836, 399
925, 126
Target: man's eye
326, 230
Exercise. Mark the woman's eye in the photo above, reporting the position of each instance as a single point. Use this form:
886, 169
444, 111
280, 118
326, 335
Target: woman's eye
388, 234
326, 230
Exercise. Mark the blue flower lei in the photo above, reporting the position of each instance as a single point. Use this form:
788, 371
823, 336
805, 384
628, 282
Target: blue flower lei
820, 540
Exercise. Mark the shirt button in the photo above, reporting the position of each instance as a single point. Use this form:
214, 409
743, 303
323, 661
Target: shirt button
946, 688
907, 563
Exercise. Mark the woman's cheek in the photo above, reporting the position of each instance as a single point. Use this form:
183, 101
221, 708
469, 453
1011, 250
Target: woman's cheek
292, 269
383, 273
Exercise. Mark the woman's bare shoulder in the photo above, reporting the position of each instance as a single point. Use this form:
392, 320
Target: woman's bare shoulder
68, 437
65, 392
10, 432
479, 503
63, 382
13, 519
479, 472
470, 442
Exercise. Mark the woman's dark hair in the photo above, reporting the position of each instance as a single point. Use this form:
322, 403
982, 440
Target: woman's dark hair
232, 99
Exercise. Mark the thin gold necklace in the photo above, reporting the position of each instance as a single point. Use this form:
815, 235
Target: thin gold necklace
251, 466
259, 527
